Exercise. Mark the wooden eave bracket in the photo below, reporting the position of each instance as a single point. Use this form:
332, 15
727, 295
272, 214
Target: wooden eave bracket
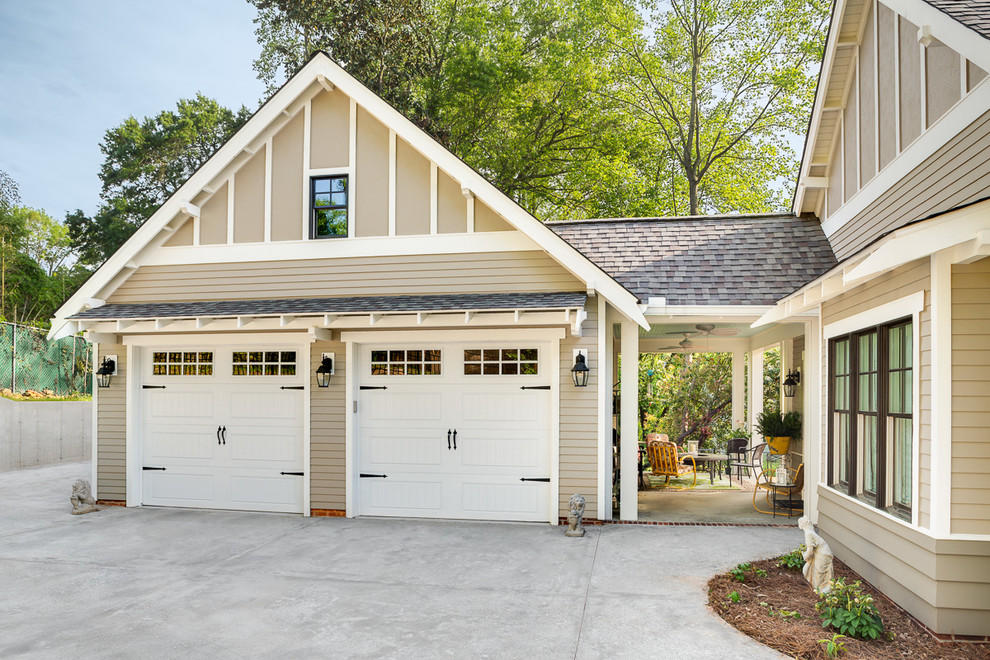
320, 334
579, 318
324, 82
190, 209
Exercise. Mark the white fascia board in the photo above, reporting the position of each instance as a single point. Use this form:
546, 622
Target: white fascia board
922, 240
667, 313
970, 108
268, 113
946, 29
562, 251
496, 241
818, 108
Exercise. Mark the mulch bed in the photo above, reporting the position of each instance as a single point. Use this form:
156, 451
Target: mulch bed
758, 614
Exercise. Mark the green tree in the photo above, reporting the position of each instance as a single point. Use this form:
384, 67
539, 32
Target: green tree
687, 396
512, 87
145, 162
716, 89
47, 240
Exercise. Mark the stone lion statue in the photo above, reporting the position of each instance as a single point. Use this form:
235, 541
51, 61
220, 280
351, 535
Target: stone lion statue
817, 558
82, 498
576, 505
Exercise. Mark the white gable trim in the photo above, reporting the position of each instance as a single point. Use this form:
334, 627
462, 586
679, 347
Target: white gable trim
289, 95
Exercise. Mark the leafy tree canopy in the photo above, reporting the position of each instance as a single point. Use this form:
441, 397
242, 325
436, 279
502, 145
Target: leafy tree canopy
144, 163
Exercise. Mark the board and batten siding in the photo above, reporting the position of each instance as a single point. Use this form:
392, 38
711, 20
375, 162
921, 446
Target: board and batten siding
579, 420
970, 507
327, 422
958, 173
111, 430
943, 583
528, 271
886, 288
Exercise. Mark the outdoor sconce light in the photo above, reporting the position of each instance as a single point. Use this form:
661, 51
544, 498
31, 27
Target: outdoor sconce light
107, 369
580, 370
325, 370
791, 383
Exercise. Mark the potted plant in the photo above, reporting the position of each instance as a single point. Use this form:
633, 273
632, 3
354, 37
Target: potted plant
778, 428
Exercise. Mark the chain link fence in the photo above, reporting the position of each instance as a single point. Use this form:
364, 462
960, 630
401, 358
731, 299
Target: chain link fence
29, 361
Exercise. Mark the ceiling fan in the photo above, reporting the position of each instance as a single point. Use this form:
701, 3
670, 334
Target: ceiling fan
709, 329
683, 345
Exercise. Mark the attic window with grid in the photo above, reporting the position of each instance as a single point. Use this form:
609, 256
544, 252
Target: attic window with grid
328, 212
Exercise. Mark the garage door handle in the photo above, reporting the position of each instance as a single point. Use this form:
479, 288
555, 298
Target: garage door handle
448, 439
455, 439
223, 434
218, 435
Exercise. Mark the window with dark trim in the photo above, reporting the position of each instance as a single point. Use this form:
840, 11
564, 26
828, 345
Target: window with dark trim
328, 207
870, 426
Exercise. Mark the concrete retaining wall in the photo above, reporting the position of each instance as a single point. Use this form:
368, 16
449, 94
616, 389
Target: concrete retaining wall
36, 433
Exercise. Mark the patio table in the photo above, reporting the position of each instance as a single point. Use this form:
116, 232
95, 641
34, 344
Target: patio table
712, 461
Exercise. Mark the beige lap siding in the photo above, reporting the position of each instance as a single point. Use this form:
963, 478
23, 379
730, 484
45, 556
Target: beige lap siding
327, 422
111, 481
971, 398
579, 420
943, 583
891, 286
353, 276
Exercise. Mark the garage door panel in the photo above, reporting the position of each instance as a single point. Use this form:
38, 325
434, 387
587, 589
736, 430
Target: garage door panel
384, 448
172, 402
266, 404
179, 488
486, 450
402, 406
247, 445
412, 495
266, 493
504, 501
192, 442
500, 407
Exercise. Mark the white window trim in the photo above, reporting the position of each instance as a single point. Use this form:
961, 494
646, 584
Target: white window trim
911, 305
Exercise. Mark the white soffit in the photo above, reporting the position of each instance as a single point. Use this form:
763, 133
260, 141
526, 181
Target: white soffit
308, 76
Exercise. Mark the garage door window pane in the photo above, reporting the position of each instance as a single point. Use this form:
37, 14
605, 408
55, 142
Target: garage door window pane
263, 363
413, 362
505, 361
186, 363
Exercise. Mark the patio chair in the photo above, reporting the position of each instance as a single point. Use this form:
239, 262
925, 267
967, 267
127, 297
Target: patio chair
754, 464
735, 449
665, 462
765, 483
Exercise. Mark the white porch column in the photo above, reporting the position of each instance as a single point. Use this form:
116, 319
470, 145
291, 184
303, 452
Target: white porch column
755, 391
738, 388
813, 416
941, 407
629, 422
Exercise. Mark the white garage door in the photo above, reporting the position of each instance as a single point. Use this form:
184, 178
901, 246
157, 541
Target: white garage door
455, 431
222, 428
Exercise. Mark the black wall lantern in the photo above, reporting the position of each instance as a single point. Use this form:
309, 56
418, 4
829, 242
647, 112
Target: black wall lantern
580, 370
791, 383
324, 371
106, 370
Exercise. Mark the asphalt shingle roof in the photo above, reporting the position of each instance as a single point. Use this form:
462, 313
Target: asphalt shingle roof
705, 260
339, 305
974, 14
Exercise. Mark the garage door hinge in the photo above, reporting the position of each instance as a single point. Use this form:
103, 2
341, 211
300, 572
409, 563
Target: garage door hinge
153, 468
292, 387
295, 474
373, 387
153, 387
535, 387
543, 479
365, 475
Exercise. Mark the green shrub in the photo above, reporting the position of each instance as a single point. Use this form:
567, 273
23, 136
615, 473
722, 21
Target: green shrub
793, 560
848, 609
735, 597
739, 572
833, 647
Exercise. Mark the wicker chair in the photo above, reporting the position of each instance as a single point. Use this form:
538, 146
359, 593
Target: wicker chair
765, 483
665, 462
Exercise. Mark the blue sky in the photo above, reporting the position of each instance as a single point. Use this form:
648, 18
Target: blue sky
71, 69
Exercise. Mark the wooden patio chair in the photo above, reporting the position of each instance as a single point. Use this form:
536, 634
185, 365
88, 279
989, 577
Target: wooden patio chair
764, 482
664, 462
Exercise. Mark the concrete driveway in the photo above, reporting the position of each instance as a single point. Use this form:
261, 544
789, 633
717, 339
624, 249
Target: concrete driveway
152, 583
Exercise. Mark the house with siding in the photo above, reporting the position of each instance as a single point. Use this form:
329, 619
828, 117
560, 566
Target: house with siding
336, 316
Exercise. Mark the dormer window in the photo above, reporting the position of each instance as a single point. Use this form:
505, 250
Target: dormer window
328, 217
